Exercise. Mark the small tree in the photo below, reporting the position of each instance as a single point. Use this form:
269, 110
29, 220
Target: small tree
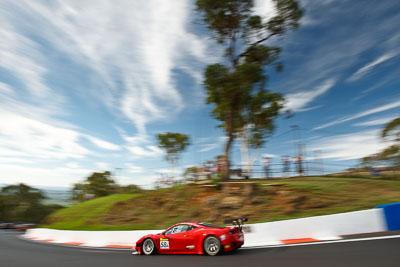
97, 184
173, 144
237, 87
23, 203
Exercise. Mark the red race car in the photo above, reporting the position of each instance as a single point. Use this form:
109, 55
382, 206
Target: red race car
194, 238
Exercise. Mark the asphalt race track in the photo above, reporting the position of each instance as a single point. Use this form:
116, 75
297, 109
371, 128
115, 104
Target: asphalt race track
16, 252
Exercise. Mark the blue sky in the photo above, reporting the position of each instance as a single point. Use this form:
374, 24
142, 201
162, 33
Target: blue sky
86, 85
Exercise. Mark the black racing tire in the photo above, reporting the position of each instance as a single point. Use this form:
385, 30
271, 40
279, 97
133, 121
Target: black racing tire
148, 247
212, 246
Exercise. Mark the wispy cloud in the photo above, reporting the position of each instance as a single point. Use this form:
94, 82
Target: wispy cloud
5, 89
209, 144
368, 67
102, 165
147, 151
360, 115
38, 139
140, 146
297, 101
375, 122
31, 132
131, 48
103, 144
309, 109
15, 160
130, 168
325, 58
265, 9
349, 146
20, 56
269, 155
50, 176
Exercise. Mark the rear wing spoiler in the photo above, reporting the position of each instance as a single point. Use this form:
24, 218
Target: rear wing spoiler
236, 222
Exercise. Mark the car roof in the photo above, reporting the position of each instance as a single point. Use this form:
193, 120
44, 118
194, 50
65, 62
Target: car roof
190, 223
197, 224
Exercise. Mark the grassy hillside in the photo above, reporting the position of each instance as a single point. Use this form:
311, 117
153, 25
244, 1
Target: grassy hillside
88, 214
271, 200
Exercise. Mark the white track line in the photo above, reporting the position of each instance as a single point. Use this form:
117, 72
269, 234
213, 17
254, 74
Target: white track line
328, 242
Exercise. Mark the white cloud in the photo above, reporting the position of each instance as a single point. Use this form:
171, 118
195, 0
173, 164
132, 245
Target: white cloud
368, 67
140, 145
72, 165
102, 166
375, 122
130, 168
103, 144
265, 9
132, 48
309, 109
147, 151
209, 143
349, 146
19, 56
58, 176
297, 101
269, 155
5, 88
361, 114
325, 58
209, 147
38, 139
15, 160
28, 131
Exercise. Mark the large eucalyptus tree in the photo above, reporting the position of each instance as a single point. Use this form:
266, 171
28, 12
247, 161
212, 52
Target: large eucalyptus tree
237, 87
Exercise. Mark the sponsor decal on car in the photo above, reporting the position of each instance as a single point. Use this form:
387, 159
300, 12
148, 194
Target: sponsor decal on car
164, 243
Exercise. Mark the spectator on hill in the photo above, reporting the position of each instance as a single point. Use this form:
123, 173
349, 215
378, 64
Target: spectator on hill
266, 163
286, 166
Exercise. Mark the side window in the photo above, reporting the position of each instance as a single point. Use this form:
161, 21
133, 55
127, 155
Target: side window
172, 230
178, 229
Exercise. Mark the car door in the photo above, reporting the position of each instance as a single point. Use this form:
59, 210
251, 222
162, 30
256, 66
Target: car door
177, 238
190, 238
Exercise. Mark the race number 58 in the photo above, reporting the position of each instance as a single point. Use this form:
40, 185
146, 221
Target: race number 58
164, 244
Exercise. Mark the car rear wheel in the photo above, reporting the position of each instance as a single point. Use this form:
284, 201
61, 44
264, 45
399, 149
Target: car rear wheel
148, 247
212, 245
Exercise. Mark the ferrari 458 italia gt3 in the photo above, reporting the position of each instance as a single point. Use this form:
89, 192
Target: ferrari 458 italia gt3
194, 238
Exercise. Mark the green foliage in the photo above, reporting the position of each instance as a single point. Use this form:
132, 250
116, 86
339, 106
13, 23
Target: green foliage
173, 144
191, 173
392, 129
238, 90
98, 184
158, 209
129, 189
391, 154
23, 203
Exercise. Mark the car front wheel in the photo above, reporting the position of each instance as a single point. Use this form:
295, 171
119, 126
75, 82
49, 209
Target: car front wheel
148, 247
212, 245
